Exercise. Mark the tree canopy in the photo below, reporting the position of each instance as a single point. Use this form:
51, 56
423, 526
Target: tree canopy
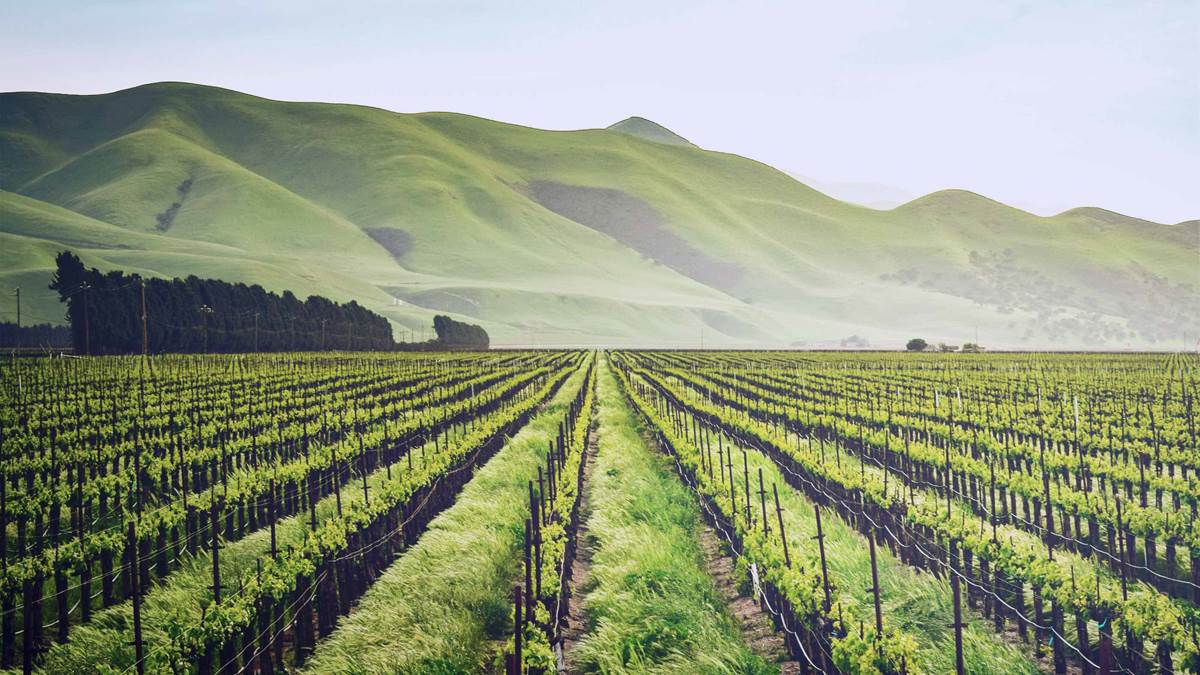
458, 335
205, 315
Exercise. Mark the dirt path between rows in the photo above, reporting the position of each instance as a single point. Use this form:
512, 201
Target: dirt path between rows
758, 632
575, 623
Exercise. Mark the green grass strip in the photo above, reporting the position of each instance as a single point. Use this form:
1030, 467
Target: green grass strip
651, 606
442, 604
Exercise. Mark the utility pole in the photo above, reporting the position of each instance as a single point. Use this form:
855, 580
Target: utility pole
17, 292
205, 310
87, 333
145, 333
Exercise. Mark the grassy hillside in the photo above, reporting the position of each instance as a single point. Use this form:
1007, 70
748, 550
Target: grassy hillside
651, 131
628, 235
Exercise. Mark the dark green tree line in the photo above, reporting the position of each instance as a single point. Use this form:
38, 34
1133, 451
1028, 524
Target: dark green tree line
35, 336
453, 334
205, 315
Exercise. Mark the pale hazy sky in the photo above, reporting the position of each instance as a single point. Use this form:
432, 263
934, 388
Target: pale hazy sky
1045, 105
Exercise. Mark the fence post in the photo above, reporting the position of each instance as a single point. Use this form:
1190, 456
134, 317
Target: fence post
518, 627
821, 547
787, 559
528, 562
135, 579
875, 586
746, 483
958, 624
762, 501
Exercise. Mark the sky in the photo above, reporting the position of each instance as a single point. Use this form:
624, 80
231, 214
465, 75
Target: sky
1044, 105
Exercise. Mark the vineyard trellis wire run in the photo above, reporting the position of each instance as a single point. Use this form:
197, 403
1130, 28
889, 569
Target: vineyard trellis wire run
473, 379
267, 493
1136, 610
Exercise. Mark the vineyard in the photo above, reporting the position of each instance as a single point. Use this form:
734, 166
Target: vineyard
514, 512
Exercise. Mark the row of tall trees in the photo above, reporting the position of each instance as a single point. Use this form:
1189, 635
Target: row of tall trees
458, 335
451, 335
37, 335
114, 312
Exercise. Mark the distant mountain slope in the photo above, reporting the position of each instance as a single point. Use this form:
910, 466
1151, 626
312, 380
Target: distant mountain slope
651, 131
873, 195
620, 236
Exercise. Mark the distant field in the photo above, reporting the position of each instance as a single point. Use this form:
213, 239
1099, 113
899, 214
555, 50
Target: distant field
614, 511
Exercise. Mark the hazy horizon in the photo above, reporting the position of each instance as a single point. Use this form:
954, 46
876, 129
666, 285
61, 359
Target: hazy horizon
1042, 107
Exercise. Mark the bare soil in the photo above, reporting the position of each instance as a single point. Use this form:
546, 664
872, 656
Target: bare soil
575, 621
758, 632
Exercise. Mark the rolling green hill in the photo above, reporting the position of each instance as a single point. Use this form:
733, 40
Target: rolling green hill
621, 236
651, 131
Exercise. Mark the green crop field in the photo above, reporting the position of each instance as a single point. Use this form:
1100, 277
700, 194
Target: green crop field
600, 512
